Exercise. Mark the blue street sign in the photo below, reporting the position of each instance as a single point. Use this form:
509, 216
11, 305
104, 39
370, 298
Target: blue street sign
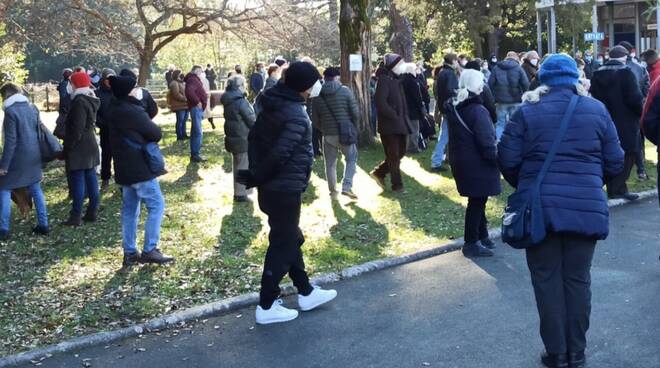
594, 36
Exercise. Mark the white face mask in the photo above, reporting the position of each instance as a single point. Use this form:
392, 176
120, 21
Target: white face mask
315, 90
534, 62
633, 55
69, 88
399, 68
137, 93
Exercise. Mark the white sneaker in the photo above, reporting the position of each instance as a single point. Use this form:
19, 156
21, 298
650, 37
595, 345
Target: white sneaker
276, 314
316, 298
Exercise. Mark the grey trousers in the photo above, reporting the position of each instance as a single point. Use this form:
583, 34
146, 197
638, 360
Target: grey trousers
331, 149
240, 162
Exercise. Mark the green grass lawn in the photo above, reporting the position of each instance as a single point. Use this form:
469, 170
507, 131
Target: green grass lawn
70, 283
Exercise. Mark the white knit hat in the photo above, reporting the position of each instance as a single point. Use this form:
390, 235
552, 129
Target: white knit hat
470, 81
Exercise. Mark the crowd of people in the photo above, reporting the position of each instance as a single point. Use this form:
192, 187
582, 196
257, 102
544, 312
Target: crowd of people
496, 118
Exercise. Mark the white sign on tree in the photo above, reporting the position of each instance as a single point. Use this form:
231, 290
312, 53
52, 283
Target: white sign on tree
355, 62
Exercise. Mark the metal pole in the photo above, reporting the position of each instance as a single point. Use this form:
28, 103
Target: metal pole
549, 33
539, 32
553, 30
610, 7
594, 29
637, 25
657, 21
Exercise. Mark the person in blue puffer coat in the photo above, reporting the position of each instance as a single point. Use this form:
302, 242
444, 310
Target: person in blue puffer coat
574, 203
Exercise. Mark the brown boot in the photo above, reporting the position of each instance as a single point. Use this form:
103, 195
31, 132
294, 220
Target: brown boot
90, 215
74, 220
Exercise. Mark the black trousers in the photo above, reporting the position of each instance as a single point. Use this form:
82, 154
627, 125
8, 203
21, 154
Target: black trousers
560, 268
285, 239
640, 157
617, 185
476, 225
394, 146
106, 155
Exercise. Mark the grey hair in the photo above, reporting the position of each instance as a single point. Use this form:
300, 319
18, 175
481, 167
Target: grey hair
534, 96
235, 82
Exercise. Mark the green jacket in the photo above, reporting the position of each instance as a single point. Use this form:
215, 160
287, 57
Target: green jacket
335, 104
239, 119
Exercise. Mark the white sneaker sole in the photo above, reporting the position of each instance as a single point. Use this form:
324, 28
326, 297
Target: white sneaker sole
317, 304
276, 320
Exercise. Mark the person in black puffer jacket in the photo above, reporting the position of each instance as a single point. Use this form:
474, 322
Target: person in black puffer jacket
130, 128
104, 93
239, 119
280, 155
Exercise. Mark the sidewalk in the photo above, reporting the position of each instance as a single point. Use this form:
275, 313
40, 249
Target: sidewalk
446, 311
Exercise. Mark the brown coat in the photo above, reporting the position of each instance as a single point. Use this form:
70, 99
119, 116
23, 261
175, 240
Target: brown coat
391, 106
176, 97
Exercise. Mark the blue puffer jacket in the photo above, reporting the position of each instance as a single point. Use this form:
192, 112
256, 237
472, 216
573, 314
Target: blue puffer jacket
280, 142
572, 192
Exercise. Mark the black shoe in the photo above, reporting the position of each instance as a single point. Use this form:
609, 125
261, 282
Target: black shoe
198, 159
74, 220
577, 360
642, 176
4, 236
155, 256
476, 250
90, 215
379, 180
630, 196
242, 199
554, 360
488, 243
40, 230
131, 259
439, 169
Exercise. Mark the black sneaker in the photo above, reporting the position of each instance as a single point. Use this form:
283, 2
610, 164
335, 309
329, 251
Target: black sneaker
488, 243
131, 259
439, 169
577, 360
379, 180
476, 250
40, 230
642, 176
156, 257
198, 159
554, 360
91, 215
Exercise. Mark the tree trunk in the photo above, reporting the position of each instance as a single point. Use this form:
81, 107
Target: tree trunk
402, 37
355, 38
147, 56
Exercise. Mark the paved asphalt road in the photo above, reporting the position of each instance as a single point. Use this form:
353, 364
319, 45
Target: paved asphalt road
447, 311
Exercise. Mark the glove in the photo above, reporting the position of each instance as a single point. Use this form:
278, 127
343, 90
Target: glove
246, 178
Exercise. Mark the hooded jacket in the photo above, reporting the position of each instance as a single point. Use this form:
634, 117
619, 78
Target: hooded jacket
239, 119
391, 106
335, 103
508, 82
615, 85
80, 148
280, 143
129, 120
195, 93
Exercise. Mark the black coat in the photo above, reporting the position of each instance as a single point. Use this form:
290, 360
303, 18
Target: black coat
508, 81
616, 86
280, 143
445, 86
149, 104
424, 85
413, 94
391, 106
473, 156
128, 119
489, 102
105, 96
81, 150
65, 97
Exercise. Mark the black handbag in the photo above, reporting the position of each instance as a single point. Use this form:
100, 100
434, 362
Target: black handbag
523, 223
347, 131
49, 146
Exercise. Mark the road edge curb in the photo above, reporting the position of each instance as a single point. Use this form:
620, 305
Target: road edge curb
245, 300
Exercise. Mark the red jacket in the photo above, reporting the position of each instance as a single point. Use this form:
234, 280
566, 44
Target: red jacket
654, 71
195, 93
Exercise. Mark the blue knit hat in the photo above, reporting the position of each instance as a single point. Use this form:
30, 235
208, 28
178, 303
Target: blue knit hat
558, 70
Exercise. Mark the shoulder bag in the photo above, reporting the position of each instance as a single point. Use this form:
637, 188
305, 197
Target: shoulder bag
347, 131
523, 223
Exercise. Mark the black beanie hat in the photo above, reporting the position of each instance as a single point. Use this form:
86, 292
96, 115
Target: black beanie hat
121, 85
301, 76
474, 65
127, 73
331, 72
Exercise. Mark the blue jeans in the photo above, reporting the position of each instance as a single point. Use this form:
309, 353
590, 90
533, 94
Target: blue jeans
197, 115
443, 138
147, 192
39, 205
84, 182
504, 113
181, 120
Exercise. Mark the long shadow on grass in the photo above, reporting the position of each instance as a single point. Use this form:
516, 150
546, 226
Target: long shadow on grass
239, 228
360, 231
432, 212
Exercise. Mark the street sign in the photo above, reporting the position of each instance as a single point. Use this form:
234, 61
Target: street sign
594, 36
355, 62
543, 4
